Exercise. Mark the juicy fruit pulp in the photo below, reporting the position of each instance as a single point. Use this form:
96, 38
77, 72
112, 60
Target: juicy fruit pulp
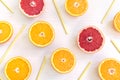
32, 7
41, 33
90, 39
63, 60
17, 68
109, 69
6, 31
117, 22
76, 7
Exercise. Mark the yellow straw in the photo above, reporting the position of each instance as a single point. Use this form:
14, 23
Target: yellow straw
115, 45
11, 45
7, 6
108, 11
41, 68
86, 68
60, 17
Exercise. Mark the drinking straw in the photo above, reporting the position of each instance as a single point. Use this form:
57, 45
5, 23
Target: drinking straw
60, 17
7, 6
86, 68
108, 11
11, 45
41, 67
115, 45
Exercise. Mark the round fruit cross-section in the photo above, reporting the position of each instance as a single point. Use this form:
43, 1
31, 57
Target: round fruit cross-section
63, 60
90, 39
117, 21
6, 31
109, 69
76, 7
31, 8
41, 34
18, 68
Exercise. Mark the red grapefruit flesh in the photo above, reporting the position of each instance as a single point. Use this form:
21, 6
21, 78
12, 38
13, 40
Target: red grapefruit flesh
31, 8
90, 39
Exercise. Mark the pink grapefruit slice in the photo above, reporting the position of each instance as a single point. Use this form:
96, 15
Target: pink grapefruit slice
31, 8
90, 40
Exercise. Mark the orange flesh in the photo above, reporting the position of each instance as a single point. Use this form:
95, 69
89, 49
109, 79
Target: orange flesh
63, 60
17, 69
112, 65
117, 22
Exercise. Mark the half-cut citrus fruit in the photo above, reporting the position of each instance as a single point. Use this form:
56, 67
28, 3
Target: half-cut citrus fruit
90, 39
18, 68
31, 8
109, 69
117, 22
6, 31
63, 60
76, 7
41, 33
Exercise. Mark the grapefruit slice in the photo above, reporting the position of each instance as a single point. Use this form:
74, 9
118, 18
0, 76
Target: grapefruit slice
76, 7
41, 34
90, 40
117, 22
109, 69
18, 68
31, 8
63, 61
6, 31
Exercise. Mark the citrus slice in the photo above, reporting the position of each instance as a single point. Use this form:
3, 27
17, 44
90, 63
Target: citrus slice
76, 7
6, 31
90, 40
31, 8
63, 60
117, 22
18, 68
109, 69
41, 34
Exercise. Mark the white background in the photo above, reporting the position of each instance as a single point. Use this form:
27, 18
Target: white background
23, 47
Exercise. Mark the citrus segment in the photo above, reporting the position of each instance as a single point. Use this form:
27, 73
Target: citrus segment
18, 68
31, 8
76, 7
63, 60
41, 34
90, 39
117, 21
109, 69
6, 31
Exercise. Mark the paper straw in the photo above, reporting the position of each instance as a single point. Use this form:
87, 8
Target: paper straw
108, 11
115, 45
60, 17
11, 45
7, 6
86, 68
41, 67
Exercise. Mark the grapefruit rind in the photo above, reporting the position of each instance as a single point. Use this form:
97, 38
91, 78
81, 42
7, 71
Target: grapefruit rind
76, 15
29, 65
30, 16
53, 36
91, 52
99, 67
115, 22
62, 72
11, 33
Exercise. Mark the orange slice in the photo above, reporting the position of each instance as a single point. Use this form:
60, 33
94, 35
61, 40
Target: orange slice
117, 21
63, 60
41, 34
109, 69
6, 31
76, 7
18, 68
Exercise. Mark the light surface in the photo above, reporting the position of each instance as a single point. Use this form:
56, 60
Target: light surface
23, 47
